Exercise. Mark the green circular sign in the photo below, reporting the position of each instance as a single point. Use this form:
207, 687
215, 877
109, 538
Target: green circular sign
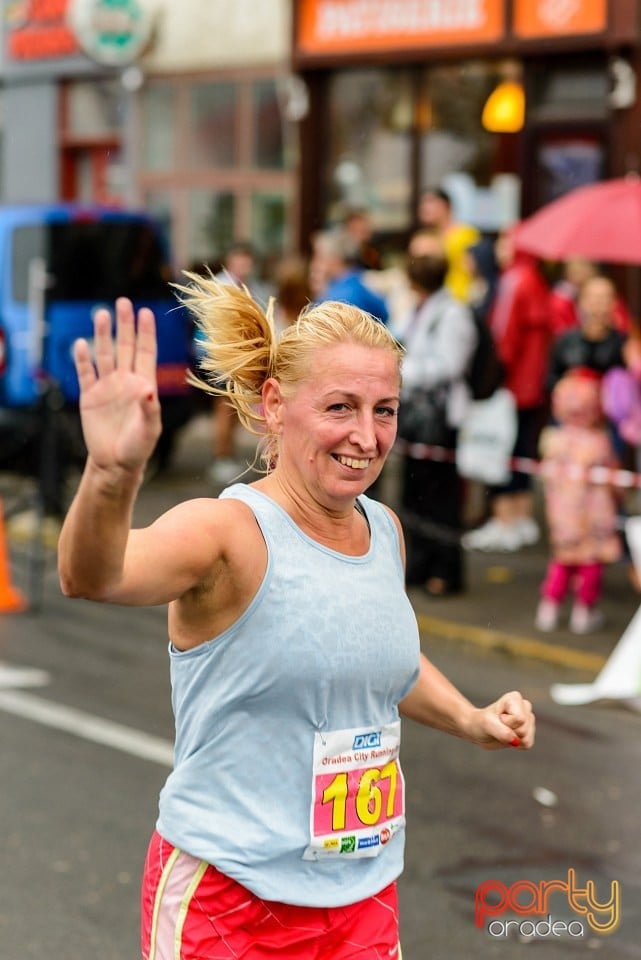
111, 32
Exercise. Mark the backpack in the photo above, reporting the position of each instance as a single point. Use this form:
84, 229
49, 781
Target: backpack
485, 373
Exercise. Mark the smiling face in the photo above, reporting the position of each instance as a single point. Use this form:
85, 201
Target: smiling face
337, 428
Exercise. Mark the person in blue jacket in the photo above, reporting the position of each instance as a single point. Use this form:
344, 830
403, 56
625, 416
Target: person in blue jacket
335, 275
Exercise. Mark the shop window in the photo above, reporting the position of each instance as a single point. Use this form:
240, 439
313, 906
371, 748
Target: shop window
215, 162
210, 224
158, 203
475, 166
393, 133
94, 109
369, 149
91, 161
214, 125
569, 92
452, 136
93, 174
267, 127
269, 221
565, 162
158, 126
83, 175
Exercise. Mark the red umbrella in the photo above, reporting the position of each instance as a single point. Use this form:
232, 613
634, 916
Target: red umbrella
600, 222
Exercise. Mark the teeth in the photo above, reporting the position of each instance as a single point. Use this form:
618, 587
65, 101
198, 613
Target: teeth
351, 462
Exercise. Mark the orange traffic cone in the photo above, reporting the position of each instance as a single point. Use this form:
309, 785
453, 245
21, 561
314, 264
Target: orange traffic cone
11, 600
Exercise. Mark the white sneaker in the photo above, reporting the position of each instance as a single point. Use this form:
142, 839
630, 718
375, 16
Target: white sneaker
584, 619
493, 535
225, 470
547, 615
528, 530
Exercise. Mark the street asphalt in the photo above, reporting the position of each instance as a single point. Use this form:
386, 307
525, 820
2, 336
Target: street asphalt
79, 799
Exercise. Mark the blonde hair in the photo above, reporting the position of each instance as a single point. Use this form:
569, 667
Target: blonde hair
241, 349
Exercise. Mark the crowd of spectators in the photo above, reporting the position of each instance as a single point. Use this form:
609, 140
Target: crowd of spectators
546, 321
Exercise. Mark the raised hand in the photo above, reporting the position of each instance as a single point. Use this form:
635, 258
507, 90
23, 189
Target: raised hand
119, 404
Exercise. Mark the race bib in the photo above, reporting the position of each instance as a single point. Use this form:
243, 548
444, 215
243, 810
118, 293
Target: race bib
358, 792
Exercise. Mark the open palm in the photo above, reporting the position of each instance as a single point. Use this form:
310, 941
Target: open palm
119, 404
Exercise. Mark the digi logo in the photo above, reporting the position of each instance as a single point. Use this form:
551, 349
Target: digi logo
364, 741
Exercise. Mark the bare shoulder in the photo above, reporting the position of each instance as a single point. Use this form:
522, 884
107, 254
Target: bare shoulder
192, 537
399, 528
209, 509
207, 521
204, 557
395, 519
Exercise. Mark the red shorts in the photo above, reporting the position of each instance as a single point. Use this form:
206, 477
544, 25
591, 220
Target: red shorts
191, 911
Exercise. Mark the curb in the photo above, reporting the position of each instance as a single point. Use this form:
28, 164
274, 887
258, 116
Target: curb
514, 644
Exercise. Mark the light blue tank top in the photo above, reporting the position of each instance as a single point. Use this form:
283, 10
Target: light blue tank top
286, 770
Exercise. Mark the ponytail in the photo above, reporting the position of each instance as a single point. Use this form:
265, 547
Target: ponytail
238, 343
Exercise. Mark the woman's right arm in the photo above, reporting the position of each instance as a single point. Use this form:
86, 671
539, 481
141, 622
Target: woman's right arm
95, 533
99, 556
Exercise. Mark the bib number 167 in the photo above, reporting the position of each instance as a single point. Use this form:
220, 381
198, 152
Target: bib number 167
353, 799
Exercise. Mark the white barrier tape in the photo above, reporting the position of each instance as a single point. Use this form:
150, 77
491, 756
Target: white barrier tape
613, 476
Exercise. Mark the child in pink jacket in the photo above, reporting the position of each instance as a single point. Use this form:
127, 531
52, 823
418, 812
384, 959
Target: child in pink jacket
581, 508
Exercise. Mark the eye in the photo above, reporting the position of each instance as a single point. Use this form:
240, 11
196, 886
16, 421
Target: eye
338, 407
388, 412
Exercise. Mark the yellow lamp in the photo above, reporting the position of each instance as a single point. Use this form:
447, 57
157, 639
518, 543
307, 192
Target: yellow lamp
504, 110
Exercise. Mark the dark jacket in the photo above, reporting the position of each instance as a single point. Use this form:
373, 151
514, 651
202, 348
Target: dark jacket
573, 349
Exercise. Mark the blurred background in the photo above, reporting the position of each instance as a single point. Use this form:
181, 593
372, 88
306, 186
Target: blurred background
267, 120
139, 138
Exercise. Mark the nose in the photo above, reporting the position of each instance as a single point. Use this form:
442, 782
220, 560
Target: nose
363, 434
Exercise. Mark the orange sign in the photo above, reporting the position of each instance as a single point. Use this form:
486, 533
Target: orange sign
37, 30
358, 26
552, 18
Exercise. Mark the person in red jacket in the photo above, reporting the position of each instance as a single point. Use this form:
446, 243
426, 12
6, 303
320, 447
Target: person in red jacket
520, 320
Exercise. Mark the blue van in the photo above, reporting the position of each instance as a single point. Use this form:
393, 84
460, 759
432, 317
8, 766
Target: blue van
58, 264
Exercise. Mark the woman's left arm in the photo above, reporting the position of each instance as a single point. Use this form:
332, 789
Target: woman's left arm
435, 702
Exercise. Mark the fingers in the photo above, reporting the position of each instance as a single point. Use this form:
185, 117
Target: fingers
135, 349
125, 334
146, 345
103, 342
518, 718
508, 722
84, 365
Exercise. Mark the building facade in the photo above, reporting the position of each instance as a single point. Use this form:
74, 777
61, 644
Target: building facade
267, 119
174, 106
397, 91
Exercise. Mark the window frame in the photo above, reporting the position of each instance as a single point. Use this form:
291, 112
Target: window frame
244, 179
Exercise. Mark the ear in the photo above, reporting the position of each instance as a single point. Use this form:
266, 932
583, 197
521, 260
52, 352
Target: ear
273, 405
